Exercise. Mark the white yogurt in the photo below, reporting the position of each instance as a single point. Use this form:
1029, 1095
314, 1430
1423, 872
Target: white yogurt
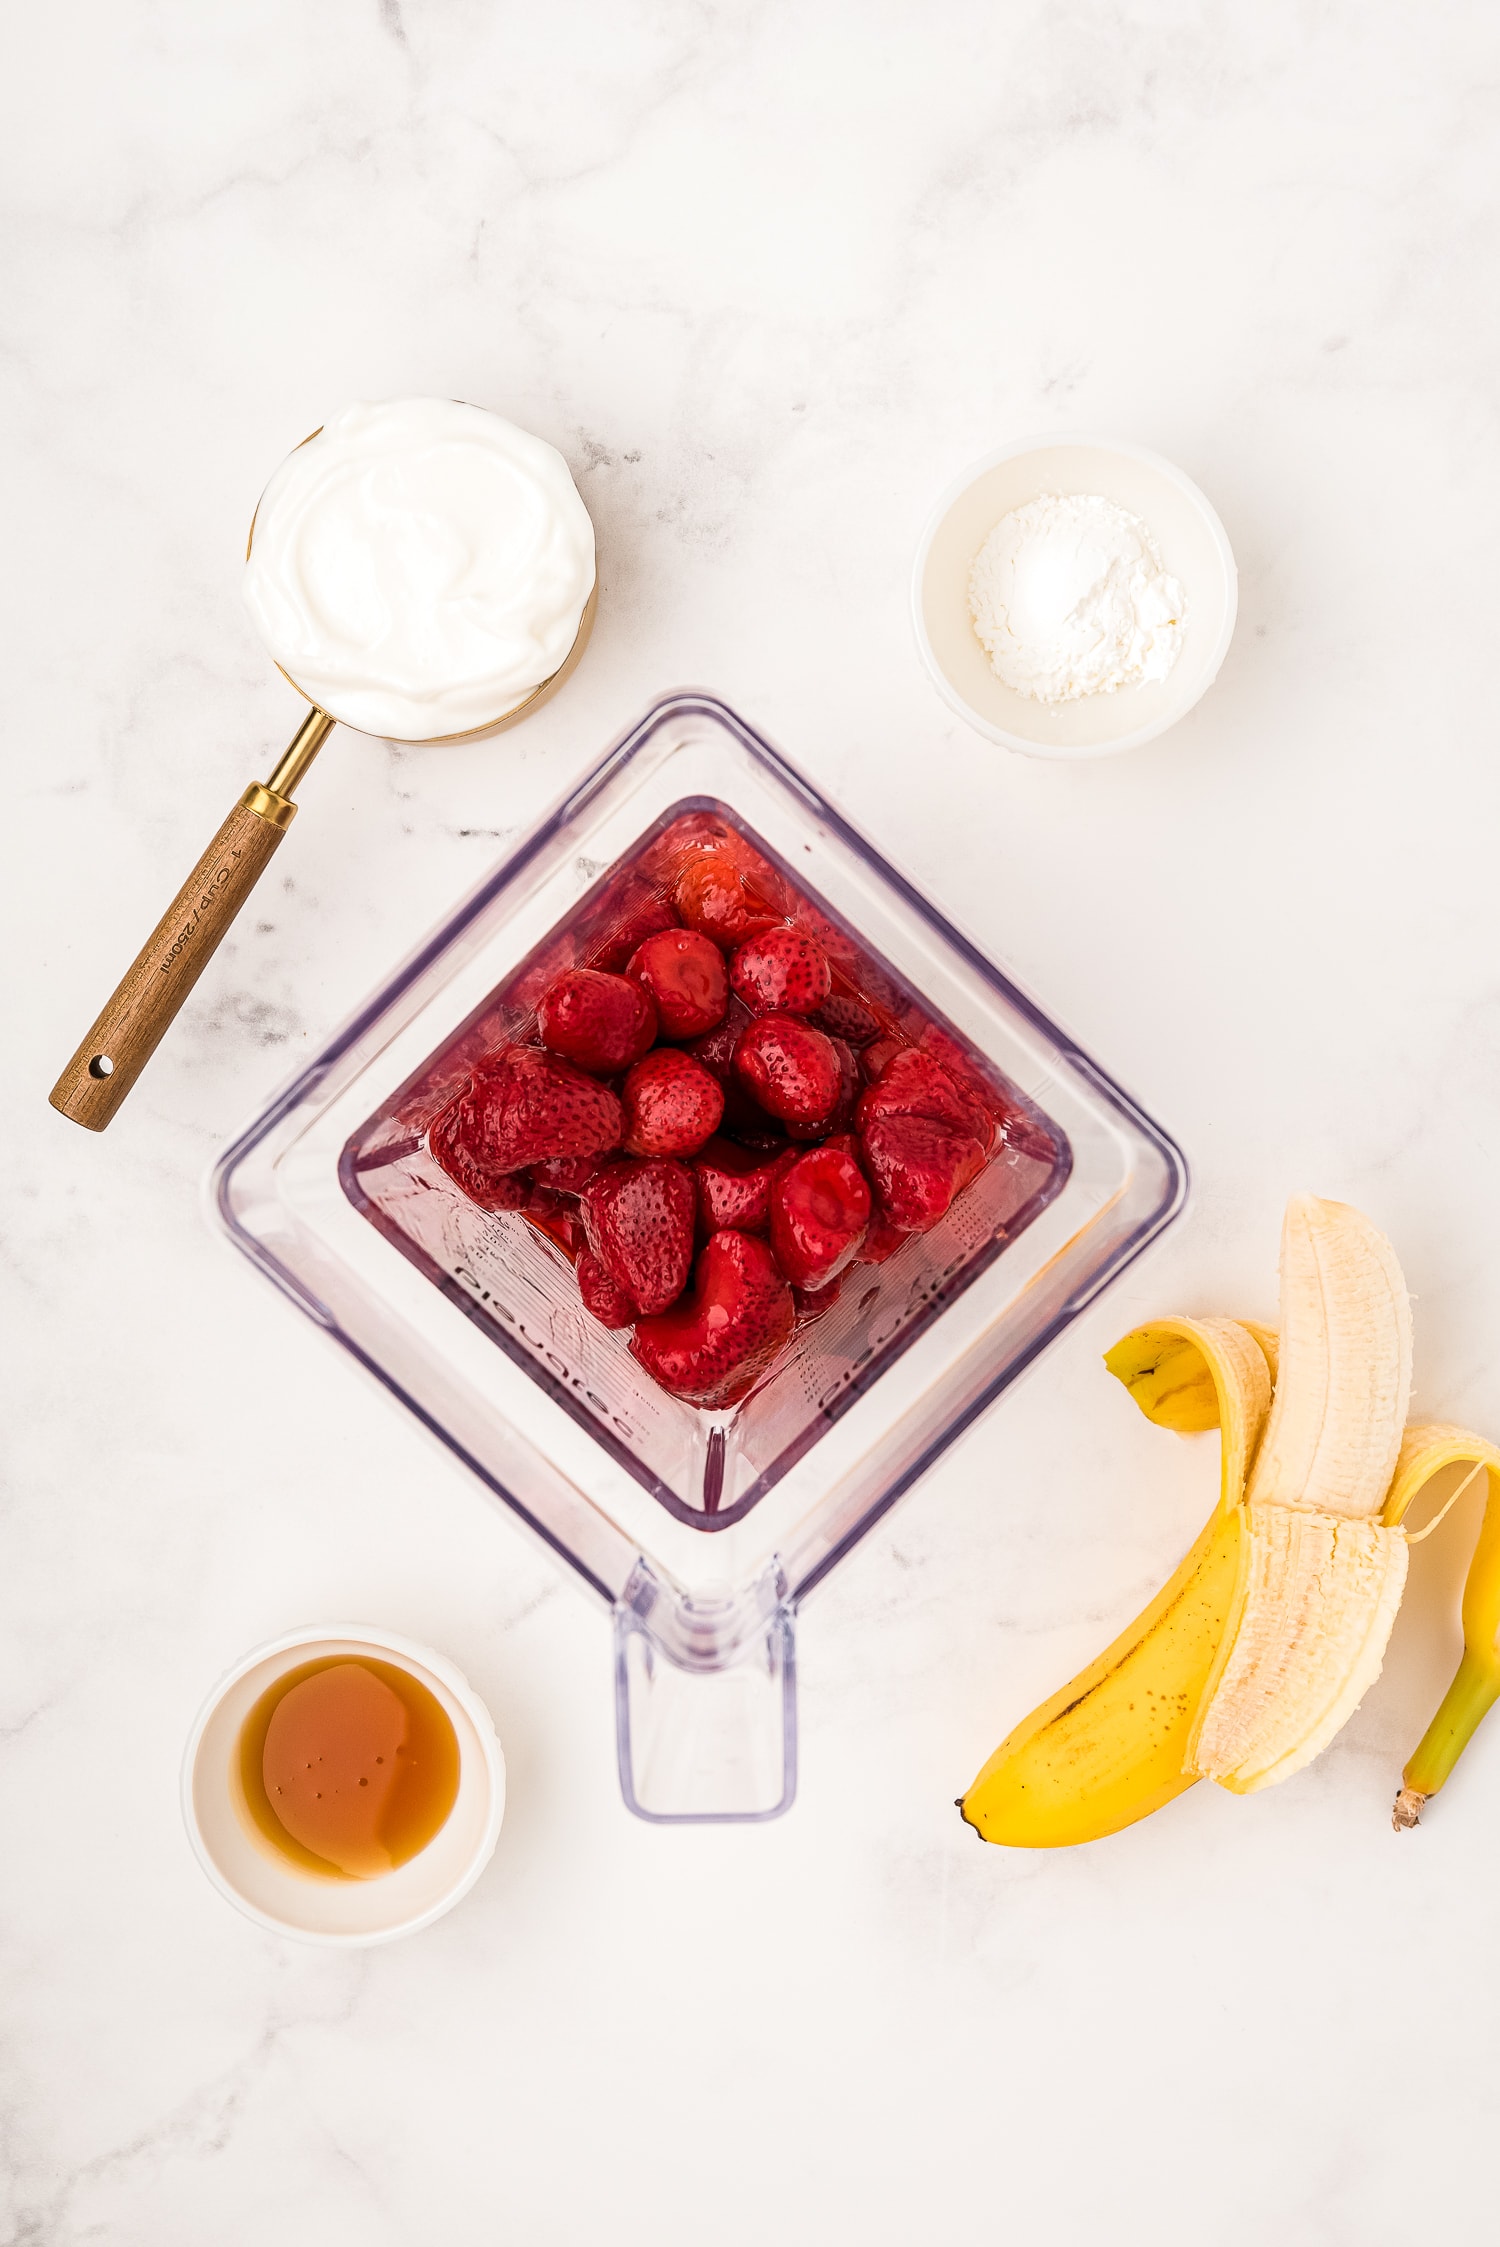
420, 567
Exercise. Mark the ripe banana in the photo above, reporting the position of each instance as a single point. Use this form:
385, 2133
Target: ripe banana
1320, 1577
1275, 1625
1109, 1748
1476, 1684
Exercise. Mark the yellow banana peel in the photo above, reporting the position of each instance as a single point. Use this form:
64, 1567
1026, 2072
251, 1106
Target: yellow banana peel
1111, 1746
1425, 1452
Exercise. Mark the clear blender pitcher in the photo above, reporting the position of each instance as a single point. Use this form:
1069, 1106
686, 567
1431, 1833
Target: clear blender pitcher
703, 1532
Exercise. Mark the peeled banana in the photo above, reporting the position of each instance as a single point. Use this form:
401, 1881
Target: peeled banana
1314, 1601
1273, 1628
1320, 1576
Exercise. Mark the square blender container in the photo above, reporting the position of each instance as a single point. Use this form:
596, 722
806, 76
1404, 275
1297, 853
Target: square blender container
702, 1531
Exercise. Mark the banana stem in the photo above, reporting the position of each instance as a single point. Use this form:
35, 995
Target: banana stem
1474, 1691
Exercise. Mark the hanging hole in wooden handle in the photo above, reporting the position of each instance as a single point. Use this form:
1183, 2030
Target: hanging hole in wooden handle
179, 948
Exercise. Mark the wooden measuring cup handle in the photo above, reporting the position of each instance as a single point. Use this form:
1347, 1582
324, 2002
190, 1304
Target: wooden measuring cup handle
133, 1023
185, 939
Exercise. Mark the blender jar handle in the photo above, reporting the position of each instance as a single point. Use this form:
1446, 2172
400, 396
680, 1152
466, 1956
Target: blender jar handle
136, 1018
705, 1743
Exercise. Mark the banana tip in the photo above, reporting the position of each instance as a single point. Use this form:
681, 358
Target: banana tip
958, 1803
1407, 1810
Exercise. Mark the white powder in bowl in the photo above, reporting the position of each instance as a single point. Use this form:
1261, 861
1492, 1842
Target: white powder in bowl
1069, 598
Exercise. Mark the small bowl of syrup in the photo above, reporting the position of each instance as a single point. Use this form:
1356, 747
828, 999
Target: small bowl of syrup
343, 1785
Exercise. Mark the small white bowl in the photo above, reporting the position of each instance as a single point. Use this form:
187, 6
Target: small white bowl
1193, 548
244, 1866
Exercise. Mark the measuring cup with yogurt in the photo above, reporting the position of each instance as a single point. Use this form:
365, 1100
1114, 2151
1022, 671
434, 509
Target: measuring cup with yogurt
420, 570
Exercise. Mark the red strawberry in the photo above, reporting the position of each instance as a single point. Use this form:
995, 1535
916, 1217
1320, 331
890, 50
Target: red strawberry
555, 1217
713, 1348
522, 1106
913, 1084
672, 1104
820, 1212
684, 976
716, 1050
719, 899
639, 1221
734, 1187
567, 1174
610, 1305
790, 1068
811, 1303
844, 1016
743, 1118
923, 1139
850, 1087
601, 1022
882, 1240
780, 972
874, 1058
644, 914
447, 1143
1019, 1128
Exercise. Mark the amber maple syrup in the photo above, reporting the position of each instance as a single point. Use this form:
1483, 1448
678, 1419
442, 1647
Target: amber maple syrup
348, 1766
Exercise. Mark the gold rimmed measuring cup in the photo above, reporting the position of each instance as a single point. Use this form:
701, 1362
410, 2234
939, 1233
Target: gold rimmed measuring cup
140, 1011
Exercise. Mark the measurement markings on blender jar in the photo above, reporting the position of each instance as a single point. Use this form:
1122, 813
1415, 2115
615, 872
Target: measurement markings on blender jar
544, 1347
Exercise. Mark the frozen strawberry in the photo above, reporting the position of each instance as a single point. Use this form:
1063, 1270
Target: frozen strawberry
912, 1083
744, 1120
601, 1022
780, 972
734, 1187
1018, 1126
522, 1106
721, 900
556, 1216
644, 913
609, 1304
792, 1070
718, 1342
851, 1085
684, 976
844, 1143
820, 1212
874, 1058
811, 1303
716, 1049
844, 1016
567, 1174
882, 1240
447, 1144
672, 1104
639, 1220
923, 1139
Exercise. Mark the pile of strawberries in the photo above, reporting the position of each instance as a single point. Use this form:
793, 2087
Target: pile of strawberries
718, 1114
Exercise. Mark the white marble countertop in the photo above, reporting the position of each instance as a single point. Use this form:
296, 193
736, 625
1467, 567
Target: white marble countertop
769, 276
